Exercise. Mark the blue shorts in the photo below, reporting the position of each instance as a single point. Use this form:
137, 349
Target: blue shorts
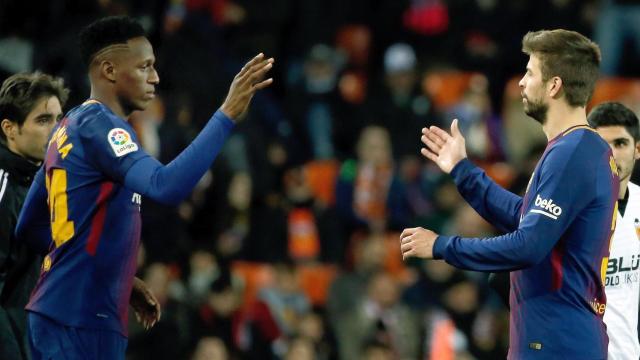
50, 340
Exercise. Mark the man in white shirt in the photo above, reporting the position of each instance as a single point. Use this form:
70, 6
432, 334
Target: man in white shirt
619, 127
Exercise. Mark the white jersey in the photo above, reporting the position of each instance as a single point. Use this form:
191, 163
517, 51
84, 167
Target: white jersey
622, 284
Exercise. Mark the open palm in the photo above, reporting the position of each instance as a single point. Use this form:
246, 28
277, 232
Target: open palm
445, 149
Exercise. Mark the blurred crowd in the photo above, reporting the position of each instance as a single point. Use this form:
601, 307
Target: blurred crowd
288, 247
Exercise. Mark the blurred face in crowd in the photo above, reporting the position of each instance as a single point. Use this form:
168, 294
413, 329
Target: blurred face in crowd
301, 349
211, 348
224, 302
287, 280
311, 327
625, 150
30, 139
533, 91
401, 82
384, 290
374, 146
239, 194
370, 254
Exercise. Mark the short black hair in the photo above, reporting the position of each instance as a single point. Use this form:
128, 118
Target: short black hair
20, 92
105, 32
615, 114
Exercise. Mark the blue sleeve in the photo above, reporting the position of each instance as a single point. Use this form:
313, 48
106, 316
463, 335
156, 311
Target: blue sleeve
171, 183
34, 227
558, 198
498, 206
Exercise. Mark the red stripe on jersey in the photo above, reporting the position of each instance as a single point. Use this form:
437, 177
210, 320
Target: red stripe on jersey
556, 265
97, 224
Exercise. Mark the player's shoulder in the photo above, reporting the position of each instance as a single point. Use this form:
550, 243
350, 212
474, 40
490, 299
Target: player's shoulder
92, 118
577, 143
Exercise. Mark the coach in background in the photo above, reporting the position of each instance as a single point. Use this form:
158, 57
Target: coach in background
30, 105
619, 127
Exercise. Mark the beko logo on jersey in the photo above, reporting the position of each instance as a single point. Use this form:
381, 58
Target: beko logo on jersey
121, 142
549, 209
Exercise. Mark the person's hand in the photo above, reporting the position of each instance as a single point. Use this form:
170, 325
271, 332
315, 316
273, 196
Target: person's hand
145, 304
417, 242
443, 149
245, 84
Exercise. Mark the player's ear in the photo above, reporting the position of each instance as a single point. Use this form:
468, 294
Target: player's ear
8, 128
108, 70
637, 150
555, 86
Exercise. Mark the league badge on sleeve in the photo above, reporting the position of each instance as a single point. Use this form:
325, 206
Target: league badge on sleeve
121, 142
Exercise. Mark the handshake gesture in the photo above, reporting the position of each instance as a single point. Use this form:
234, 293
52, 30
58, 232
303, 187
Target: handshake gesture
245, 84
446, 150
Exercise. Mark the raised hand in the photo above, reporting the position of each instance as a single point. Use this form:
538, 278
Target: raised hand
417, 242
443, 149
245, 84
145, 304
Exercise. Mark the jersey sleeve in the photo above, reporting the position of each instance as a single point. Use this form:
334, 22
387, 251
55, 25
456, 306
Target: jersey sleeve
111, 145
171, 183
561, 194
498, 206
34, 226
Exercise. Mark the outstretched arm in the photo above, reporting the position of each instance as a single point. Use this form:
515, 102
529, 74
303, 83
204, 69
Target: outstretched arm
171, 183
557, 203
498, 206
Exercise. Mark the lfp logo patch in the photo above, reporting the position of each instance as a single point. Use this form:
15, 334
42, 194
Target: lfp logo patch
121, 142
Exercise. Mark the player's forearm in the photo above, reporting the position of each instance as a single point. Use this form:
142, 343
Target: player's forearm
497, 205
523, 248
170, 184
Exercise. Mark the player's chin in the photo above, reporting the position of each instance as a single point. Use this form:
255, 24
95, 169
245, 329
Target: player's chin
142, 104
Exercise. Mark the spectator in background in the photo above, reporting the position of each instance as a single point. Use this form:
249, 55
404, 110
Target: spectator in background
204, 271
285, 299
379, 315
210, 348
220, 315
347, 288
300, 348
369, 194
618, 23
312, 102
399, 105
169, 339
312, 326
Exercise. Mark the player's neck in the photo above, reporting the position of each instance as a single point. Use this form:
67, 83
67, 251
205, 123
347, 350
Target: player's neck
624, 183
110, 100
562, 117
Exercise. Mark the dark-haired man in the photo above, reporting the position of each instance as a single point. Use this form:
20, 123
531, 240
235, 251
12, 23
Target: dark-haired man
558, 235
619, 126
30, 105
94, 175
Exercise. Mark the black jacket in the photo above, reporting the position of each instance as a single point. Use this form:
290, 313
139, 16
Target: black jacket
19, 266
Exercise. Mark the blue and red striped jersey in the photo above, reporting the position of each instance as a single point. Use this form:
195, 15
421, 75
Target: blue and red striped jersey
556, 245
87, 276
